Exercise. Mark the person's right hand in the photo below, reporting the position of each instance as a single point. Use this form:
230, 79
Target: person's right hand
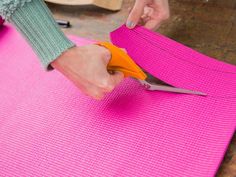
86, 67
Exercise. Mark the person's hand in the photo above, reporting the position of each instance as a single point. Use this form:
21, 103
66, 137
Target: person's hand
86, 67
149, 13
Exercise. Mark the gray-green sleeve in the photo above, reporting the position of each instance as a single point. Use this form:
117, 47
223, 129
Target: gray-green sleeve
34, 20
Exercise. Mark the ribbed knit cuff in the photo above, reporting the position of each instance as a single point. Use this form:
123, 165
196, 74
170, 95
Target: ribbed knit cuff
36, 23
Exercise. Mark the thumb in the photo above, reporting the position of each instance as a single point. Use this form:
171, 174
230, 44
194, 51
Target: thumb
135, 14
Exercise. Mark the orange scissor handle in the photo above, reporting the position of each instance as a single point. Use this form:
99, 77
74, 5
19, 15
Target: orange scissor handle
120, 61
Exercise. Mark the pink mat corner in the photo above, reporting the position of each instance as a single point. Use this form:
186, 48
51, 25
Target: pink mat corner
48, 128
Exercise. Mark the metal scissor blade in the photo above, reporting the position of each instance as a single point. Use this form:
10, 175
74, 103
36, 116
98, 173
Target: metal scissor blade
154, 87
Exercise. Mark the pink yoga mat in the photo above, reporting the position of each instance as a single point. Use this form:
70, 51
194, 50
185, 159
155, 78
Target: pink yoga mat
48, 128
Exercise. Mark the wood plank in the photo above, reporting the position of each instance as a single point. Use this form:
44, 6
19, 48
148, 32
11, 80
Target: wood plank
107, 4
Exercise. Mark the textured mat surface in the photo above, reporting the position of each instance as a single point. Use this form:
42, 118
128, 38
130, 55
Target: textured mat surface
47, 127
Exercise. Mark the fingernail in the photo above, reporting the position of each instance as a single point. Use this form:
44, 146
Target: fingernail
130, 24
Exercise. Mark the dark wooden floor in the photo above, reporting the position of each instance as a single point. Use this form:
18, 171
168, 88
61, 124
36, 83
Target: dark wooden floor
207, 26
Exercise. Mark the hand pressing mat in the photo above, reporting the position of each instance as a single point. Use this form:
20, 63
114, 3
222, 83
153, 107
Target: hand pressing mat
48, 128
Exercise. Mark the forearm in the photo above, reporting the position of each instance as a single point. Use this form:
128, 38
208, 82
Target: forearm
35, 22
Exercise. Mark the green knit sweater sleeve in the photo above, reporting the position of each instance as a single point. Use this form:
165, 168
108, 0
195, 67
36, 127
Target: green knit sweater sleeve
35, 22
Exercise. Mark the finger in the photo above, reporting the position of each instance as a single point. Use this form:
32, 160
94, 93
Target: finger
105, 83
145, 20
148, 11
111, 81
153, 24
90, 89
95, 92
117, 78
106, 55
98, 97
135, 14
143, 16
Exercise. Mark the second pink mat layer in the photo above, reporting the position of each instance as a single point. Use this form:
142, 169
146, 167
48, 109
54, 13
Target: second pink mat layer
177, 64
48, 128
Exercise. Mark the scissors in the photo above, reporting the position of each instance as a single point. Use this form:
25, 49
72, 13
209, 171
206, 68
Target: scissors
121, 61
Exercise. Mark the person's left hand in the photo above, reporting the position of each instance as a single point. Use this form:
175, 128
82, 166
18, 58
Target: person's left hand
149, 13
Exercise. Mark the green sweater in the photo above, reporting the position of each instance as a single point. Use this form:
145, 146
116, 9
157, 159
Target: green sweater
34, 21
